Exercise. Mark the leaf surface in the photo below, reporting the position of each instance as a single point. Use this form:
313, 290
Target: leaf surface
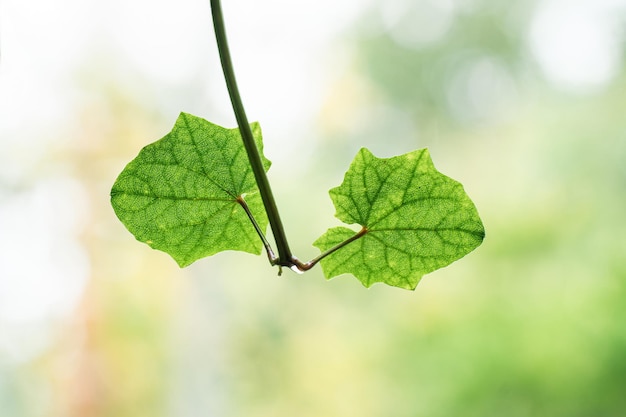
416, 220
180, 194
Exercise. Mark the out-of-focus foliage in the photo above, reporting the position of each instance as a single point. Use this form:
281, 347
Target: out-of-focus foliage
531, 324
444, 55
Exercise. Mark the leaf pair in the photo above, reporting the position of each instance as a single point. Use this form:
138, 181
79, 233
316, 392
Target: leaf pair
184, 195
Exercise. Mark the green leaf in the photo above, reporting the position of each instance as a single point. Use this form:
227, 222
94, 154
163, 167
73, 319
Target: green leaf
181, 193
415, 220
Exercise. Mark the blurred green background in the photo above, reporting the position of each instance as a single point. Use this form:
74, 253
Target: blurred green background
523, 102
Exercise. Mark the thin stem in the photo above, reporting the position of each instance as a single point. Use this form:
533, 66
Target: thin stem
268, 248
285, 257
308, 265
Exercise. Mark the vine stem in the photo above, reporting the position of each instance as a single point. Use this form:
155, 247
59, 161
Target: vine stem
285, 257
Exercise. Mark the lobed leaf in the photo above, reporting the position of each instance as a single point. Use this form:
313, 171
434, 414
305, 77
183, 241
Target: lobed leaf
180, 194
416, 220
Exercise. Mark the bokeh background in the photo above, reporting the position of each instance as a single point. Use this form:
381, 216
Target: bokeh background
524, 102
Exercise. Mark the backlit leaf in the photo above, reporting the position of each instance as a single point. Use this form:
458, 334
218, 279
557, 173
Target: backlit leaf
416, 219
180, 194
